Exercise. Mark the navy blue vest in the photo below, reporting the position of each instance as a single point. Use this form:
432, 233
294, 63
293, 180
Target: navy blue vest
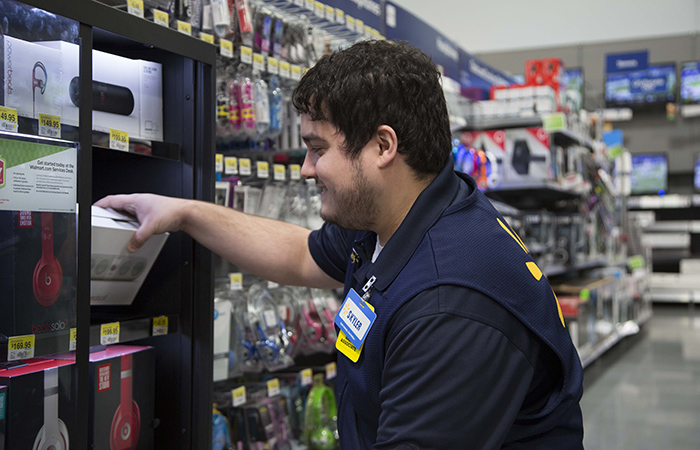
468, 245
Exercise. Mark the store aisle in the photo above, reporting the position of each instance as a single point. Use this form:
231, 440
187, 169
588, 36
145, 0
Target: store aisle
645, 393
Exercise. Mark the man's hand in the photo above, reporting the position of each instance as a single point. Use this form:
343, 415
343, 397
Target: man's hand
155, 213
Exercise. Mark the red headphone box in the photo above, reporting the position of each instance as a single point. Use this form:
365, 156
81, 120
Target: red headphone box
37, 273
39, 405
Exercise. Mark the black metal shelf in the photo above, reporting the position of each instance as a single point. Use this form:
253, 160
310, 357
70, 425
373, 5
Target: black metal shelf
534, 195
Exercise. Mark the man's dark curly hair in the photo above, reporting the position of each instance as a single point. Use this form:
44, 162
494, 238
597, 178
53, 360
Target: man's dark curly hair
374, 83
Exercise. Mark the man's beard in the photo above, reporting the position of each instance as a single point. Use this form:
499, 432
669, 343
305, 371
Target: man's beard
355, 208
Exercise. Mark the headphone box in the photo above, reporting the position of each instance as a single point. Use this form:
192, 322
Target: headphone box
527, 156
31, 76
39, 404
38, 276
117, 274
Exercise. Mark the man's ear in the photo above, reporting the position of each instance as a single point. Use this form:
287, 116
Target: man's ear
388, 145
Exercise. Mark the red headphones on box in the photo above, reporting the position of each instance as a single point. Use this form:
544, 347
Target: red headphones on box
48, 275
126, 423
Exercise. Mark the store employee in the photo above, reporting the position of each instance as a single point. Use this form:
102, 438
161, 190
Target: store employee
467, 347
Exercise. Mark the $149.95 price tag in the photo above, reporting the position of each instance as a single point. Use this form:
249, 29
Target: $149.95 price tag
49, 126
20, 347
8, 119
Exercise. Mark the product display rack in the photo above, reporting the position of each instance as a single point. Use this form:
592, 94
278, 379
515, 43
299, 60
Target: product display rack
180, 285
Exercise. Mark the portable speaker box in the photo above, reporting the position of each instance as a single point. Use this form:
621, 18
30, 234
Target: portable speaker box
528, 155
37, 274
117, 274
122, 395
39, 405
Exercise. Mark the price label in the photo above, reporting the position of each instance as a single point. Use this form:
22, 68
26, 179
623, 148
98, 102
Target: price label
109, 333
306, 69
258, 62
219, 162
350, 22
226, 48
161, 17
359, 26
279, 172
319, 10
239, 396
244, 166
206, 37
49, 126
231, 165
295, 172
118, 140
330, 13
382, 37
331, 371
20, 347
8, 119
160, 326
375, 33
273, 387
263, 169
554, 122
246, 55
73, 339
307, 377
309, 4
339, 15
296, 72
284, 69
273, 66
235, 281
184, 27
368, 31
135, 7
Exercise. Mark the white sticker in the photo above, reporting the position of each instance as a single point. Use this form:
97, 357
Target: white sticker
270, 318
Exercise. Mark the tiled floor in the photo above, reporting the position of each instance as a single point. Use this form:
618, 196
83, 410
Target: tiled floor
645, 392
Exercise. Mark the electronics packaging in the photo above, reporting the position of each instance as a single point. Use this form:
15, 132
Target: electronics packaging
117, 274
31, 76
528, 155
38, 405
122, 395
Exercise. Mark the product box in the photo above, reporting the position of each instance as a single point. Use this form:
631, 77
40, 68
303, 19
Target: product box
534, 72
37, 273
39, 405
3, 409
116, 274
528, 155
552, 71
222, 337
122, 396
493, 143
151, 100
117, 90
31, 78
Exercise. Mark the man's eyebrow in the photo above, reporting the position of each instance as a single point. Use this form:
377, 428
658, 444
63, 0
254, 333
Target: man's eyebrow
312, 137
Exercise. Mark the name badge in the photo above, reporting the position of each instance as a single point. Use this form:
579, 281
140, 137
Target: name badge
355, 318
345, 347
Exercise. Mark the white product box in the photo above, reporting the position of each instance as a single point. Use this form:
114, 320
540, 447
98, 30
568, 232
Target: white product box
545, 105
528, 155
151, 103
500, 94
117, 274
31, 78
493, 143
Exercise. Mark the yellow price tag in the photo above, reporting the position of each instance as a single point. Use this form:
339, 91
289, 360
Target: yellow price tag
109, 333
184, 27
272, 65
279, 172
359, 26
350, 22
118, 140
161, 17
296, 72
319, 9
49, 126
306, 69
206, 37
244, 166
307, 377
226, 48
8, 119
331, 370
218, 162
20, 347
246, 54
73, 339
263, 169
273, 387
339, 15
284, 69
258, 61
135, 7
239, 396
368, 30
160, 326
235, 281
231, 165
295, 172
330, 13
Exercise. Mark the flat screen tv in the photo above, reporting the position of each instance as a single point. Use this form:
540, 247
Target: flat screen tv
696, 174
690, 82
572, 80
655, 85
649, 174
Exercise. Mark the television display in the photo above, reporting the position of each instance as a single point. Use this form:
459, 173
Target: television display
690, 82
649, 173
696, 176
656, 85
572, 80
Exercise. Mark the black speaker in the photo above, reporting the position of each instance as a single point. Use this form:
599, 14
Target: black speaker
106, 97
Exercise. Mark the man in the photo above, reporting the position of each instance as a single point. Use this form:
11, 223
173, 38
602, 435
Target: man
468, 349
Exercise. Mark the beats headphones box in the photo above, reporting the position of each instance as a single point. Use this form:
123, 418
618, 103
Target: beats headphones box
39, 405
116, 275
31, 76
37, 273
528, 155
